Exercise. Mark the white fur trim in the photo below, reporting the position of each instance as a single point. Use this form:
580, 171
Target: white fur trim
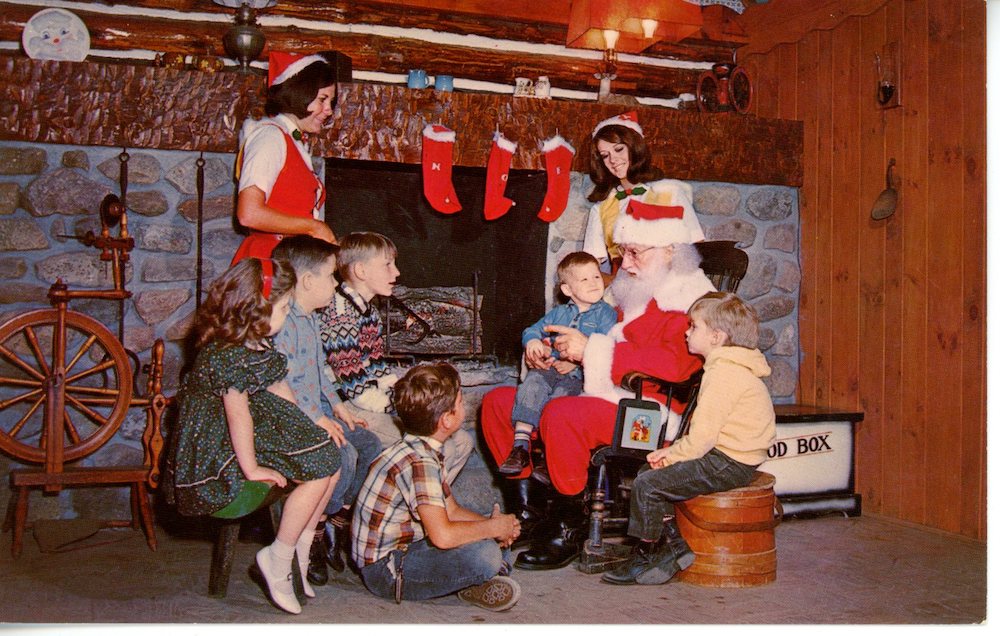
658, 233
504, 143
617, 120
597, 357
296, 67
679, 291
438, 132
554, 142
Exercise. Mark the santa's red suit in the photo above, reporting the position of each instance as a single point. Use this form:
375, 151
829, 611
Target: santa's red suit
572, 427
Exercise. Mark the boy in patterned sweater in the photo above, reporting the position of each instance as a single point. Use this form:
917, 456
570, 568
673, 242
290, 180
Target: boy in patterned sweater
354, 342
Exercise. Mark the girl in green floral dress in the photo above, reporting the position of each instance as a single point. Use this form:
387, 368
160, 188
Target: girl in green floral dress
239, 429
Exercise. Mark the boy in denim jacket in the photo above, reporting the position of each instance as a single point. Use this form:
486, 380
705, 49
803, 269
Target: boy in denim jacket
579, 280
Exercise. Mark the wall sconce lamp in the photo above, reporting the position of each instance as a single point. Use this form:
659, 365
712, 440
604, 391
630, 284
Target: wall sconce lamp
245, 41
887, 70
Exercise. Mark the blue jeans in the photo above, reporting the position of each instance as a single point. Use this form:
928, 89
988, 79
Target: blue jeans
429, 572
356, 456
539, 387
654, 490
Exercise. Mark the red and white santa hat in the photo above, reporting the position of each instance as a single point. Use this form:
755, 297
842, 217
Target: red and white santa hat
651, 225
629, 120
282, 66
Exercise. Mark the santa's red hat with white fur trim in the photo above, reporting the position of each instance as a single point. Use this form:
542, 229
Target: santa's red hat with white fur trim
629, 120
651, 225
282, 66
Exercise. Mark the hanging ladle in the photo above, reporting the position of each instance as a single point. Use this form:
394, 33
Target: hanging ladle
885, 204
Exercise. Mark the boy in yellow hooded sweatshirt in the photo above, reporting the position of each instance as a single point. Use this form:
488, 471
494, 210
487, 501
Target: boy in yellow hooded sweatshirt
731, 429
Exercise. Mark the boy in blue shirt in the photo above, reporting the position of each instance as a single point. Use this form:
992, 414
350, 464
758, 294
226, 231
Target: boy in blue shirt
579, 280
315, 261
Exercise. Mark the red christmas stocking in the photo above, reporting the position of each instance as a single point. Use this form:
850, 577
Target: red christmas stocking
438, 143
496, 204
558, 158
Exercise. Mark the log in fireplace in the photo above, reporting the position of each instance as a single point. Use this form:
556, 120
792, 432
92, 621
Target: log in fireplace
445, 260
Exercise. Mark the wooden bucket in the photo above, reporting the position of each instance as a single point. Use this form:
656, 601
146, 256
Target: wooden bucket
732, 535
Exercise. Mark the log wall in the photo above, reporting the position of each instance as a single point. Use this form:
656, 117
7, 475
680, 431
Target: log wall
892, 313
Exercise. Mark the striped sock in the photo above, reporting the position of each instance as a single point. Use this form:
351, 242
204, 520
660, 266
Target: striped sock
522, 434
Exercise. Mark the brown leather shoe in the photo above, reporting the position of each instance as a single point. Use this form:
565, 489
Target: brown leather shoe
516, 462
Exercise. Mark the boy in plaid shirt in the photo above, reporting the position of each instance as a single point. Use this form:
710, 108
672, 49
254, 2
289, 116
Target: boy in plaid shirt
411, 538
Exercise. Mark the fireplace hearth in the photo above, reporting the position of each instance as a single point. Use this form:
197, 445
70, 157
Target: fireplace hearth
445, 260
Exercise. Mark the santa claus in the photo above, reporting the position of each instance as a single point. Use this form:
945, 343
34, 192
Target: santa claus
658, 280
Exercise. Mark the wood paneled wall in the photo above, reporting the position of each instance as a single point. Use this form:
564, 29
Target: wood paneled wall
892, 313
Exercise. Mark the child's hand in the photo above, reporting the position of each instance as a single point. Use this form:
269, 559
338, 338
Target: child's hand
569, 342
262, 473
537, 354
564, 366
344, 414
658, 458
332, 427
510, 527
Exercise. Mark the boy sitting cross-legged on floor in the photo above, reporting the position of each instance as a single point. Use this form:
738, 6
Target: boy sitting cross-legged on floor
411, 539
731, 429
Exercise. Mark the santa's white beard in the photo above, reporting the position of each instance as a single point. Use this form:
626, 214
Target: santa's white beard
633, 293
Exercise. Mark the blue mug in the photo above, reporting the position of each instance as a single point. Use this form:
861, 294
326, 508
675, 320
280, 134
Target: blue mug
444, 83
417, 78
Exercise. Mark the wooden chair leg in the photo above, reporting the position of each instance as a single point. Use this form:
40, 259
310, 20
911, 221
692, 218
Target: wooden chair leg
8, 520
133, 501
20, 519
145, 517
222, 558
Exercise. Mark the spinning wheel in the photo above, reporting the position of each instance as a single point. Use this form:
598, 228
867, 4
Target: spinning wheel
725, 87
65, 388
85, 360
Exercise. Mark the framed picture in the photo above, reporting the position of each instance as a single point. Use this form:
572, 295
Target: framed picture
639, 428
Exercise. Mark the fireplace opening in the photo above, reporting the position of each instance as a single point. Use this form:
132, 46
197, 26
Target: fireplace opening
446, 259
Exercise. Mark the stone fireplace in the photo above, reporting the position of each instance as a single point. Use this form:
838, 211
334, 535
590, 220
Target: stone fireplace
445, 259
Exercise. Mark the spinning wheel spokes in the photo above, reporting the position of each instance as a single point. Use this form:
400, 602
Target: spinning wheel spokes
94, 377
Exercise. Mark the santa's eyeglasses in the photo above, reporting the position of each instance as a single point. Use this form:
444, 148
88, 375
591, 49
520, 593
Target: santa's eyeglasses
633, 253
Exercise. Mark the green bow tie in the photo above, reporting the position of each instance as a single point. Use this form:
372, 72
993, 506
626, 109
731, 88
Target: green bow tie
621, 194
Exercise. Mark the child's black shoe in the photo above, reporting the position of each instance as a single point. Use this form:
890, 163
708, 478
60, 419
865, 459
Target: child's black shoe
516, 462
317, 574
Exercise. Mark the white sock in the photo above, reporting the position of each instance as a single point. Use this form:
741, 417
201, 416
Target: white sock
281, 564
302, 550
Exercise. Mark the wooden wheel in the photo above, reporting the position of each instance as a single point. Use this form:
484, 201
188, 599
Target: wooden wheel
740, 90
96, 385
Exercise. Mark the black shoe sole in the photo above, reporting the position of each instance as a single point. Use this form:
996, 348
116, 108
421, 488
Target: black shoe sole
507, 470
547, 566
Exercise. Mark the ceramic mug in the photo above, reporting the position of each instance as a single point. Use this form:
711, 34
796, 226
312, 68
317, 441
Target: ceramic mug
417, 78
444, 83
522, 86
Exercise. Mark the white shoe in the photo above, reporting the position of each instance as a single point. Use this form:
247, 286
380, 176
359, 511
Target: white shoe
278, 587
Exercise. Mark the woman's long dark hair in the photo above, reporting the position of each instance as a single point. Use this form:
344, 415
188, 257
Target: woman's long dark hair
235, 310
639, 168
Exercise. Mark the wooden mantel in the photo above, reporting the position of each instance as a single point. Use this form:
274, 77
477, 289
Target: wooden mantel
126, 105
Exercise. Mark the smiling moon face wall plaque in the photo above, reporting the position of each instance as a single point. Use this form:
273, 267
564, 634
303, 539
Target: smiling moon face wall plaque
56, 34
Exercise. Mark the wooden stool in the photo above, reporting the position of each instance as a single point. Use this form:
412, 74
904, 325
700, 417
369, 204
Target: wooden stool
732, 535
230, 520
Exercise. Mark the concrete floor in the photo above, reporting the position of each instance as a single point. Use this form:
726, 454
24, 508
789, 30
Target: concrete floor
830, 570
